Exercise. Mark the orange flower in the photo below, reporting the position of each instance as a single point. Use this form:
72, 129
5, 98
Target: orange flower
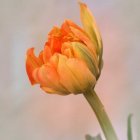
71, 60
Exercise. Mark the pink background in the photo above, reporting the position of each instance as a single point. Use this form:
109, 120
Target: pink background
26, 113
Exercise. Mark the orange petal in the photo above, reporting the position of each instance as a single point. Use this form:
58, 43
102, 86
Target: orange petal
85, 40
67, 79
67, 24
47, 77
32, 62
74, 75
67, 49
54, 60
41, 56
55, 44
52, 91
81, 72
43, 75
55, 32
55, 39
65, 28
81, 52
46, 54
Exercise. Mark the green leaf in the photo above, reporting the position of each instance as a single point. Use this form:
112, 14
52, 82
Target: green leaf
129, 127
98, 137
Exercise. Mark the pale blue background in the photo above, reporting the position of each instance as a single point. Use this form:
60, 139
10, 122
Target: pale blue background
26, 113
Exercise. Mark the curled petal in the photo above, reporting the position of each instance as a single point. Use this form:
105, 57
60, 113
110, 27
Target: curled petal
32, 62
41, 56
55, 40
46, 54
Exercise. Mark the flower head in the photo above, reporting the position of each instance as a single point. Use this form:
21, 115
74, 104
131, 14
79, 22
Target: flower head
71, 60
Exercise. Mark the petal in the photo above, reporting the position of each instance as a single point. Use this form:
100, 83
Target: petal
81, 72
55, 44
41, 56
65, 28
67, 24
90, 26
52, 91
55, 32
32, 62
67, 79
84, 38
48, 90
55, 40
67, 49
47, 77
81, 51
54, 60
46, 54
68, 35
74, 75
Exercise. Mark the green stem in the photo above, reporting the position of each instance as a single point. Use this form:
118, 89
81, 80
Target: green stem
101, 115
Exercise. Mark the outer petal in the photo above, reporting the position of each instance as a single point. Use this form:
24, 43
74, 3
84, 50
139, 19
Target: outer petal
90, 26
67, 79
72, 75
32, 62
85, 78
48, 78
80, 51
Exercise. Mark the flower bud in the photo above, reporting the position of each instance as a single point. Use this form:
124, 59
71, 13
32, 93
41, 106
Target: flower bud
71, 59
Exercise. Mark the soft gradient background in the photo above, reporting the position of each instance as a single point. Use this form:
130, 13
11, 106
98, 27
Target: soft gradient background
26, 113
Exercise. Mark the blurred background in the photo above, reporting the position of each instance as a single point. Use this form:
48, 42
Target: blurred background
26, 112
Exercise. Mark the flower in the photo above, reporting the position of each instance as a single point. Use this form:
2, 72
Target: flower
71, 60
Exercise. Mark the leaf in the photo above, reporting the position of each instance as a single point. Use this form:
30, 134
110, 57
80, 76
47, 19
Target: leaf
129, 127
88, 137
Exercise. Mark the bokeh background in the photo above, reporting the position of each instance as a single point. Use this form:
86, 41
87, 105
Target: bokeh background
26, 113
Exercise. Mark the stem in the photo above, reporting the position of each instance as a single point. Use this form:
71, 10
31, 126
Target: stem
101, 115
